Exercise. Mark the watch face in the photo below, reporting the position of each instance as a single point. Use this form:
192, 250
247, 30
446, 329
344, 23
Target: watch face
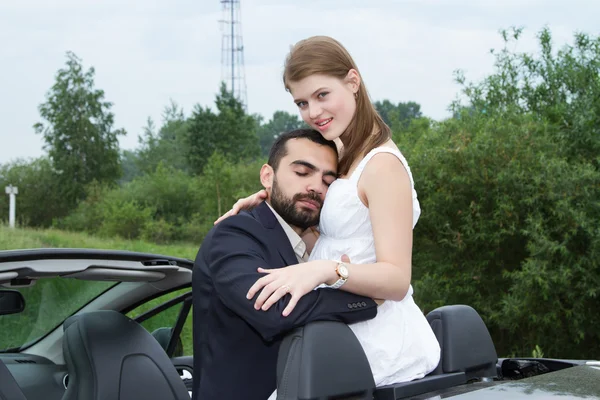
343, 271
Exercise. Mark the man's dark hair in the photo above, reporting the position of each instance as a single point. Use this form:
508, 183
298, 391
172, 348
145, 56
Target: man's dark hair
279, 148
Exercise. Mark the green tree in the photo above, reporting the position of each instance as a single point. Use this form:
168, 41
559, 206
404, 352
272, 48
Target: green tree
130, 166
398, 115
507, 228
561, 87
223, 182
230, 131
280, 122
509, 195
168, 144
217, 183
78, 131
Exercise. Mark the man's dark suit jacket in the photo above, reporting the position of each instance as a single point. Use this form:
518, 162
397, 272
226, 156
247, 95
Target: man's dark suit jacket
236, 346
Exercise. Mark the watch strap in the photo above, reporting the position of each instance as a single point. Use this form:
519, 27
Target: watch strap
337, 284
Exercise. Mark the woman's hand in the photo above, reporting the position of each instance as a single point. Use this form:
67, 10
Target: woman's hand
297, 280
244, 204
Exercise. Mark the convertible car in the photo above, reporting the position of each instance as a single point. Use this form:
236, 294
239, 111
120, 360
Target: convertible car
92, 324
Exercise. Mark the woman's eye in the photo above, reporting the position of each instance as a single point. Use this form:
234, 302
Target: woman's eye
323, 94
301, 104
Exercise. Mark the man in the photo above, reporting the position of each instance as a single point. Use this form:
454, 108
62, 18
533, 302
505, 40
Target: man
236, 346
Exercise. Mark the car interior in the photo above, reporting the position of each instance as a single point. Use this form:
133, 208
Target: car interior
49, 368
99, 352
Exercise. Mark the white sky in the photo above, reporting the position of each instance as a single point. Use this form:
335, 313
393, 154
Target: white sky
146, 52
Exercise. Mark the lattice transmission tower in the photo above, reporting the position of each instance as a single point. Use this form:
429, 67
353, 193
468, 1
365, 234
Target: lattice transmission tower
232, 50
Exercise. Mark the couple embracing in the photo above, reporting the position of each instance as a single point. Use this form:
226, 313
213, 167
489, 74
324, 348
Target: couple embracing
332, 227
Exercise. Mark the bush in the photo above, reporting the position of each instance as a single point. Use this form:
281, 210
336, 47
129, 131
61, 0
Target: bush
509, 189
194, 230
506, 226
168, 191
40, 198
167, 205
158, 231
88, 216
125, 219
224, 182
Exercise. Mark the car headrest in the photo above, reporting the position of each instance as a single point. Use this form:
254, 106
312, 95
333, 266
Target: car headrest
69, 321
465, 342
108, 355
322, 359
163, 337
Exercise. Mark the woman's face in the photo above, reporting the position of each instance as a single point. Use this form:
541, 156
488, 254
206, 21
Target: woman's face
326, 103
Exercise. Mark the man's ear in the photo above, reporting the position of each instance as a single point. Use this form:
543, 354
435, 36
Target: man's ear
266, 176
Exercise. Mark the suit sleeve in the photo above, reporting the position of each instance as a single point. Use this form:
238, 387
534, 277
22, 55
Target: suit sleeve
233, 258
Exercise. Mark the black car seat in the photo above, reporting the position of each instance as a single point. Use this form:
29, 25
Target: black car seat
325, 358
111, 357
9, 390
465, 342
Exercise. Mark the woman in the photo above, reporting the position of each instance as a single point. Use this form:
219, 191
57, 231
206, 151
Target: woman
369, 214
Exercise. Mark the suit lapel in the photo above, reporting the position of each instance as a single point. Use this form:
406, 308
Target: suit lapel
276, 233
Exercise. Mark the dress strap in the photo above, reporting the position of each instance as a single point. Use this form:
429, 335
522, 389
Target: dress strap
383, 149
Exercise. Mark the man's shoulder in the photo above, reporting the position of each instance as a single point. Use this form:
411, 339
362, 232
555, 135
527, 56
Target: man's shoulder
236, 226
243, 223
242, 220
261, 218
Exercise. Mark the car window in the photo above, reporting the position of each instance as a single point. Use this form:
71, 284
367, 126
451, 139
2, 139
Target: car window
47, 304
160, 325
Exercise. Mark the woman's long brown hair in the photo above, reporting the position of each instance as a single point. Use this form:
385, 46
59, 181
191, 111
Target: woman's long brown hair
326, 56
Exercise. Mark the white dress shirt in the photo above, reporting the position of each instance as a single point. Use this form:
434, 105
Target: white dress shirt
295, 240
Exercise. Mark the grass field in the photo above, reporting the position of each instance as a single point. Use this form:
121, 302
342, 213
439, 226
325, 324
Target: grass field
48, 300
11, 239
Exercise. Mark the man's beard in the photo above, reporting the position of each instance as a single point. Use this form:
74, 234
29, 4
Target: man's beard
286, 207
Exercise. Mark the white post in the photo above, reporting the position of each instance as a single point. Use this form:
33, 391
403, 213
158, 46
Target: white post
12, 191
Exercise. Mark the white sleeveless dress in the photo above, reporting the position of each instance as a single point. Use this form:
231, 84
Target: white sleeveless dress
398, 342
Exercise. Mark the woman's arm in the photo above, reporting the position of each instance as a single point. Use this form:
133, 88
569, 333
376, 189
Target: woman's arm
385, 189
244, 204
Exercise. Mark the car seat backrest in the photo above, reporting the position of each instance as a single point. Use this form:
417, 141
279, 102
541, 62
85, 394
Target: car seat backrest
465, 342
110, 356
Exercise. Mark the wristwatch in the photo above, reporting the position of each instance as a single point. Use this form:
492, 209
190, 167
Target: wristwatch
342, 272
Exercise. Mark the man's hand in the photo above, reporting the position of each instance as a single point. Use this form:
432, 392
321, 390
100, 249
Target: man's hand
346, 259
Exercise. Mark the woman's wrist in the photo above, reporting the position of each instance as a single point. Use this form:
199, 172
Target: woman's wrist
330, 275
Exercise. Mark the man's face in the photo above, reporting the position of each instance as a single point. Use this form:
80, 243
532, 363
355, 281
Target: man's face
298, 187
